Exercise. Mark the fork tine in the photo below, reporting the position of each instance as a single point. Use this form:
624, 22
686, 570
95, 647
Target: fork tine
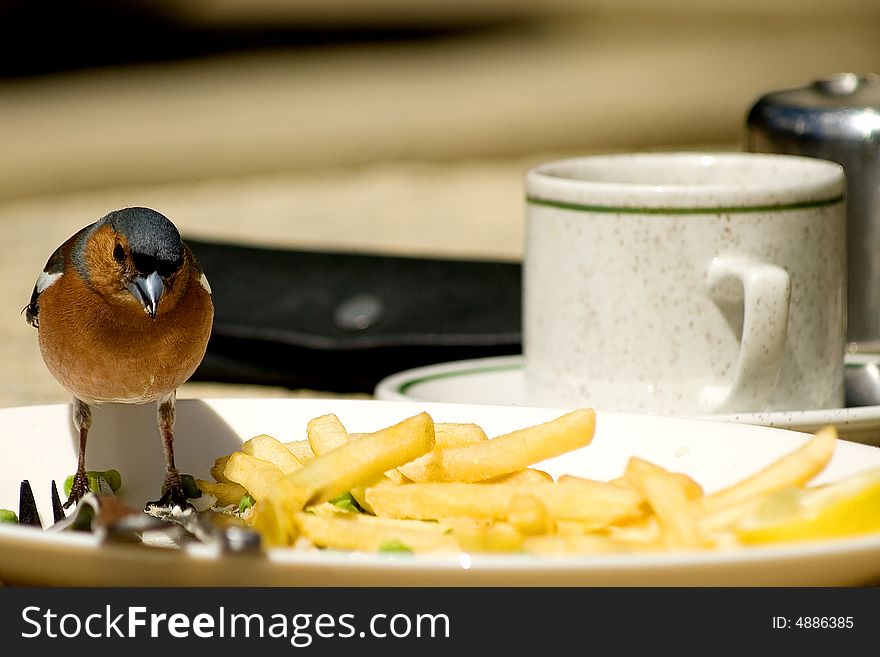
27, 506
57, 509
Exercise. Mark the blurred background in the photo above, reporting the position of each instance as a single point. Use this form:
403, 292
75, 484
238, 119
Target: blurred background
376, 126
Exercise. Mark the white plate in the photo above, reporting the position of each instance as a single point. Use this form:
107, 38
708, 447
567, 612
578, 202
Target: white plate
500, 380
41, 447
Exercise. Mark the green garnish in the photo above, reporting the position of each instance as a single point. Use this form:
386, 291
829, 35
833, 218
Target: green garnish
191, 490
245, 503
347, 503
190, 487
111, 478
8, 516
394, 545
83, 520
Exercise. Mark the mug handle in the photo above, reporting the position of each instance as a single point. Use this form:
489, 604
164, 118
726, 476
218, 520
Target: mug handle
765, 291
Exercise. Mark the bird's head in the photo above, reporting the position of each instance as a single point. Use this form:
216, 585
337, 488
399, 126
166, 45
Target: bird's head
133, 257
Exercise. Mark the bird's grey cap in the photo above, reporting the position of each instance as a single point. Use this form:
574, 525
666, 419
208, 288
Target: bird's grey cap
149, 233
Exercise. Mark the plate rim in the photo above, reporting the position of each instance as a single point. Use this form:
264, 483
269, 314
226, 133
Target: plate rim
653, 559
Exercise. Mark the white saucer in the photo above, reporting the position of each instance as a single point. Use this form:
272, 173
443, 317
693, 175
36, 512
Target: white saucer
500, 381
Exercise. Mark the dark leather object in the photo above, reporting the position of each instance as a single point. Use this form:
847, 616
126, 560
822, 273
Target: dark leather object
341, 322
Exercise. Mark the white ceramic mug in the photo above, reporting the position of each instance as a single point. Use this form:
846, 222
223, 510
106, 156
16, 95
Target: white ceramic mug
685, 283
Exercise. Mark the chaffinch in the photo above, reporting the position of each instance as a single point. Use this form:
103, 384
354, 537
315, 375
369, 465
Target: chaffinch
124, 314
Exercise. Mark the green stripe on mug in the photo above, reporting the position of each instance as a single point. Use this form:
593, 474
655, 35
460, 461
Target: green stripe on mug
577, 207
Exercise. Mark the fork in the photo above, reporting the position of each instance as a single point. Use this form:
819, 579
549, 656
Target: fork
108, 517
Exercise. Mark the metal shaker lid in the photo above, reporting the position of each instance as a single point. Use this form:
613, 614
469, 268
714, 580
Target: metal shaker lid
843, 107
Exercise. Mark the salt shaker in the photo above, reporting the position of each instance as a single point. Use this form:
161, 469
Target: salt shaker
837, 119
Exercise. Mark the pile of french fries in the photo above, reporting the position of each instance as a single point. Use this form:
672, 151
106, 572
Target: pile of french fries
425, 486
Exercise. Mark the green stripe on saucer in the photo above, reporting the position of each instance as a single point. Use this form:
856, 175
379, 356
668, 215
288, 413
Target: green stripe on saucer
406, 385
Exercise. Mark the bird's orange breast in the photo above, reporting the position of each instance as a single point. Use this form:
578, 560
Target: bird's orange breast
104, 354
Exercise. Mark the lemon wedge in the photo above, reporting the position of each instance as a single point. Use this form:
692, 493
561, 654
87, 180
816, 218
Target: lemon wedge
845, 508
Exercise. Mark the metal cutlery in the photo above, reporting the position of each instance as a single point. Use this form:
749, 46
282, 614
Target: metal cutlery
106, 516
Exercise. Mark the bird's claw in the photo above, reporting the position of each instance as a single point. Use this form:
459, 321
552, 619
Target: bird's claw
172, 492
173, 497
79, 488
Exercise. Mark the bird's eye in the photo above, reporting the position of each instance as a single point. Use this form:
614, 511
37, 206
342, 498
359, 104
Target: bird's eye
118, 253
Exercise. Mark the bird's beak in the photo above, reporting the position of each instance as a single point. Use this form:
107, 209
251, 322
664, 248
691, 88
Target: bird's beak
147, 290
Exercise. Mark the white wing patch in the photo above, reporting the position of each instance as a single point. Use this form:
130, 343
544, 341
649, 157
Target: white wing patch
204, 281
45, 280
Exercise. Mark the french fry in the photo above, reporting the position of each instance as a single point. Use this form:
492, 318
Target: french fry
394, 475
693, 490
488, 537
668, 497
226, 493
326, 433
670, 504
338, 471
365, 458
793, 469
269, 449
256, 475
446, 435
644, 532
274, 517
428, 486
359, 492
516, 450
529, 515
721, 519
456, 434
217, 469
526, 476
566, 527
301, 450
594, 502
369, 534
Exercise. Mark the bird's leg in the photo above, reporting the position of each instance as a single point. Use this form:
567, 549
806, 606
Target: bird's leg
172, 488
82, 421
